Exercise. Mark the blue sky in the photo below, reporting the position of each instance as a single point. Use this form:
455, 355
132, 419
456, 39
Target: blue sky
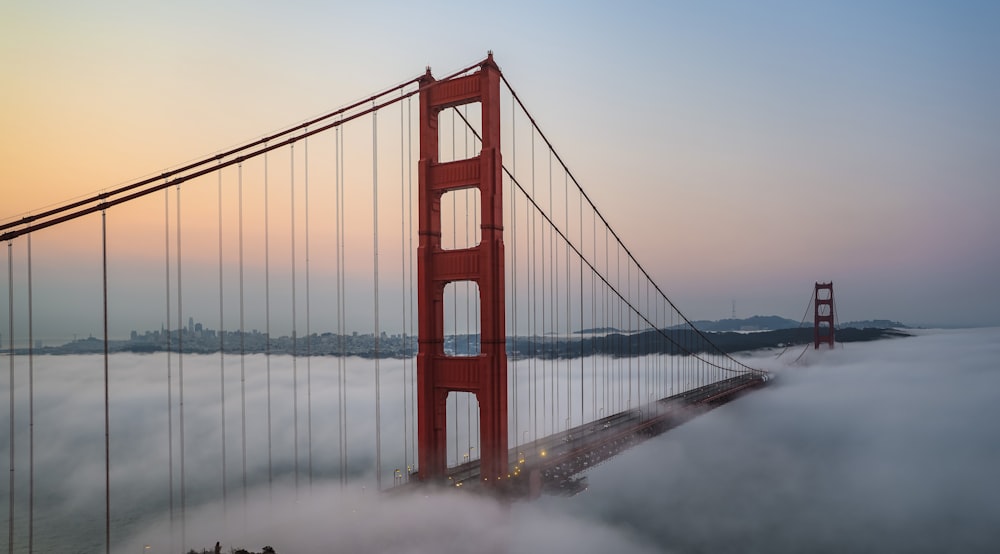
803, 141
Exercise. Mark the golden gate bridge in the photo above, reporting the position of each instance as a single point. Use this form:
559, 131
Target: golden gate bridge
428, 241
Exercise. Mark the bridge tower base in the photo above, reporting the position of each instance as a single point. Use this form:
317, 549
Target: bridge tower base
438, 374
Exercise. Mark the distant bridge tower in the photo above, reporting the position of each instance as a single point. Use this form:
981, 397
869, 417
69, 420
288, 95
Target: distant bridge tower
438, 374
823, 326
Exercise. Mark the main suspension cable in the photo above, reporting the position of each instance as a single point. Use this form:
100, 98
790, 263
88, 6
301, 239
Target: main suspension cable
617, 238
634, 309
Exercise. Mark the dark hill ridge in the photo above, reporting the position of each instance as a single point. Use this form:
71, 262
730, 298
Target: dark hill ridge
774, 322
731, 335
753, 323
681, 340
760, 323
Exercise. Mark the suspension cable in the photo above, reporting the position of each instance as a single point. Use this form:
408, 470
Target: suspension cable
801, 323
29, 219
468, 307
513, 233
617, 237
10, 356
413, 387
341, 299
295, 347
107, 411
104, 200
554, 281
243, 378
402, 266
554, 228
267, 329
180, 371
454, 288
222, 355
534, 292
170, 401
31, 408
305, 184
378, 395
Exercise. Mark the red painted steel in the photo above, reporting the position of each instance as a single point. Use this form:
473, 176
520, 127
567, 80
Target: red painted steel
823, 322
438, 374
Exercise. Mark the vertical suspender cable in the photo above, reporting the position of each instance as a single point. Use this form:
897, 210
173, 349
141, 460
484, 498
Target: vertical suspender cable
243, 377
553, 308
616, 317
582, 305
534, 292
409, 181
477, 315
343, 305
468, 294
180, 369
554, 282
513, 257
630, 331
656, 347
645, 353
31, 408
674, 379
453, 202
170, 399
222, 353
267, 327
308, 321
295, 347
604, 316
378, 397
107, 412
569, 312
10, 357
402, 266
513, 234
544, 286
340, 303
593, 315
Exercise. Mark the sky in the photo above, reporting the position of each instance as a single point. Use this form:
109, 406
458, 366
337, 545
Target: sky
889, 445
742, 151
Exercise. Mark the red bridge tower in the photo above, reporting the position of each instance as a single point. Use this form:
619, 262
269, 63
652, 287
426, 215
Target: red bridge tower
438, 374
823, 326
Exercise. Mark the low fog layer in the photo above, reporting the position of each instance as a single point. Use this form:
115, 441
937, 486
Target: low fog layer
885, 446
890, 446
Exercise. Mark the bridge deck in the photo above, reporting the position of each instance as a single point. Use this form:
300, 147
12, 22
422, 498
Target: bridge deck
551, 463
